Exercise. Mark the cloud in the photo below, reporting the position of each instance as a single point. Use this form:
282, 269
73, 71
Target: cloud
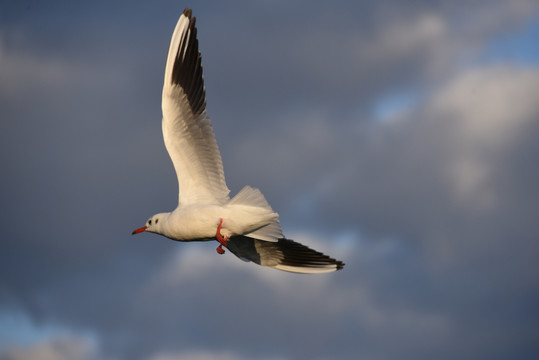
493, 108
203, 355
18, 70
431, 210
424, 150
58, 348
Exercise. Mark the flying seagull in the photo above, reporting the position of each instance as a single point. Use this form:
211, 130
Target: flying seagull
246, 224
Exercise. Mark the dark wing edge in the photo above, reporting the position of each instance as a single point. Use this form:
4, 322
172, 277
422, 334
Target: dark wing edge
285, 254
187, 130
187, 70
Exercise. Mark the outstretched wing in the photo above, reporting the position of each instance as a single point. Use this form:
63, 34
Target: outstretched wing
187, 129
285, 254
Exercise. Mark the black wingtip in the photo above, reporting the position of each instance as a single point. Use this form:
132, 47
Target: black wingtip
296, 254
187, 70
285, 254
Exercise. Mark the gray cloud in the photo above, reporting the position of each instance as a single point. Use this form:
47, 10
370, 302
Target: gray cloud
431, 208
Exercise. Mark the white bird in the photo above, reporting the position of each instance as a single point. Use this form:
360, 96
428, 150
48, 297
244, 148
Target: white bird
245, 224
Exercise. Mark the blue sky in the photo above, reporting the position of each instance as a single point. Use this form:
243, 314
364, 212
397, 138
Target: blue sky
517, 46
400, 138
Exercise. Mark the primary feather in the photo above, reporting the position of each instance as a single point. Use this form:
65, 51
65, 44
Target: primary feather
187, 129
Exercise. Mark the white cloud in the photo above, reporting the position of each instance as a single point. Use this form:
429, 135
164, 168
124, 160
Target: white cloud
204, 355
491, 104
487, 110
406, 37
188, 261
64, 347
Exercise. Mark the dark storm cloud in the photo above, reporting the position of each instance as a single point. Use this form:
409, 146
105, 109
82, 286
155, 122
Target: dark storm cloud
430, 209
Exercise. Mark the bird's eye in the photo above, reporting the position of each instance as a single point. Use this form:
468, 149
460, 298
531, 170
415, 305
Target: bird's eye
156, 220
150, 222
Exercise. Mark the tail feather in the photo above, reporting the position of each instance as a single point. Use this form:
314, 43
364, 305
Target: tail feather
249, 196
285, 254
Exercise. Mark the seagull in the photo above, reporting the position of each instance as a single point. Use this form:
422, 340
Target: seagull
245, 224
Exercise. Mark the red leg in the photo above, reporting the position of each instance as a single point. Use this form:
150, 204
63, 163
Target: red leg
222, 240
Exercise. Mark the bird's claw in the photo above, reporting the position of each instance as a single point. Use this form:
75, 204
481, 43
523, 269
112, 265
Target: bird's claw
220, 250
222, 240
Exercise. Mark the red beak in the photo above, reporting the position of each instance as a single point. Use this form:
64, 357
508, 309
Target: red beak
139, 230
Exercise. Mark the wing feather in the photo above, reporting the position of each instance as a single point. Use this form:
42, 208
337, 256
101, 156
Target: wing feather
187, 130
285, 254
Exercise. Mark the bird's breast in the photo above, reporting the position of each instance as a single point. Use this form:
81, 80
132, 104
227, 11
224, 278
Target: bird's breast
194, 222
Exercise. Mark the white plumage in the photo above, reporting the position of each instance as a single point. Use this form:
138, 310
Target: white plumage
246, 224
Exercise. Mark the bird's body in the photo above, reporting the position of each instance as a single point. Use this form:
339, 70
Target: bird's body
245, 224
198, 222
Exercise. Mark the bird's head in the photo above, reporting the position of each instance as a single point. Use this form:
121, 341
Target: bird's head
154, 224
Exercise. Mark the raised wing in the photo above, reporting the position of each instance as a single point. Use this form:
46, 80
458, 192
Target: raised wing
187, 129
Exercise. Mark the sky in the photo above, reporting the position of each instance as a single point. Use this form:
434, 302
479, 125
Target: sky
399, 137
